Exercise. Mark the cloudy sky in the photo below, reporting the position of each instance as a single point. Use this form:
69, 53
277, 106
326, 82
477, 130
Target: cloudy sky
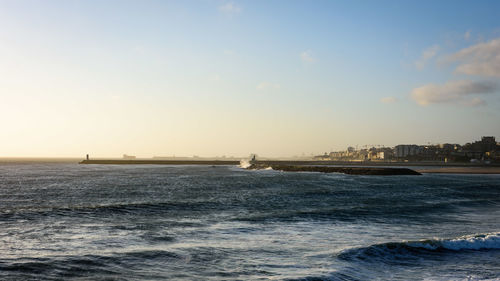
277, 78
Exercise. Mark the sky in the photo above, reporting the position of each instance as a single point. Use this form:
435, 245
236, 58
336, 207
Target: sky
213, 78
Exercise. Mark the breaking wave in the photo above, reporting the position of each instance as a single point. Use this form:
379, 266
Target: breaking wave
244, 163
470, 242
488, 241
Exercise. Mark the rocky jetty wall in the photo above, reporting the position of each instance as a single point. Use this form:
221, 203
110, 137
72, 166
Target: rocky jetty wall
373, 171
160, 162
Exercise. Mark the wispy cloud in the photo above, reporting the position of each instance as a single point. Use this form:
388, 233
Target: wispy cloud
267, 86
453, 92
307, 56
482, 59
467, 35
427, 54
389, 100
474, 102
230, 8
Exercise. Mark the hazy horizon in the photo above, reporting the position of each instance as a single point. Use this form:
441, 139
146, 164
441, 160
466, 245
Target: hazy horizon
213, 78
243, 156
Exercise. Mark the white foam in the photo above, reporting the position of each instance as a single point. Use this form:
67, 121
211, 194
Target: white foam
467, 278
485, 241
244, 163
470, 242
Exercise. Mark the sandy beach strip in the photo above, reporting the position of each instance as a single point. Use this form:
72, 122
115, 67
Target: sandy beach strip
462, 170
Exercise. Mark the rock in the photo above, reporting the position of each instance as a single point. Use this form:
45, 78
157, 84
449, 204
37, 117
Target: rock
372, 171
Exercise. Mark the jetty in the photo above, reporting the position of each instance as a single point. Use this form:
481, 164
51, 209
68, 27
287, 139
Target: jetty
285, 166
159, 162
371, 171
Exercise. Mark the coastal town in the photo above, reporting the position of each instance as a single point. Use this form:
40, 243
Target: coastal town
483, 152
486, 151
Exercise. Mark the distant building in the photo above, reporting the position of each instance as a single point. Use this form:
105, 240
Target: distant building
485, 150
488, 143
381, 155
404, 150
449, 147
128, 157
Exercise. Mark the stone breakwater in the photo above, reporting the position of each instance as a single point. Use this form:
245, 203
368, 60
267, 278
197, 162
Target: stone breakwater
372, 171
160, 162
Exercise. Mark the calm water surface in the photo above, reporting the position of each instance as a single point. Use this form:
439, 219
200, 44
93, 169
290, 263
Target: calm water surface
61, 221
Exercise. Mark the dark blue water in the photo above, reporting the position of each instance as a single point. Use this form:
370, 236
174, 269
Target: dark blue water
67, 221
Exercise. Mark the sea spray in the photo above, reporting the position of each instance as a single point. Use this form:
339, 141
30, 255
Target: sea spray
244, 163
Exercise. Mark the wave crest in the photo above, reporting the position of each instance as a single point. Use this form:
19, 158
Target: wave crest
469, 242
487, 241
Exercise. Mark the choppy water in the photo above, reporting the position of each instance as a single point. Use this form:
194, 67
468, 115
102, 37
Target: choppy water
68, 221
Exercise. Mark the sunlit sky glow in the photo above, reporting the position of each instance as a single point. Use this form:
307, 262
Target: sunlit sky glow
276, 78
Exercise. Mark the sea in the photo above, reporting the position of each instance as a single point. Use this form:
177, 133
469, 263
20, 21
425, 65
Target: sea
65, 221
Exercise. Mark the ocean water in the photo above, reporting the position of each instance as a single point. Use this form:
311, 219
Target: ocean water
64, 221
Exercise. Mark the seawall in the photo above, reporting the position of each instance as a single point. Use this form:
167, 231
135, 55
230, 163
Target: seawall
160, 162
372, 171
